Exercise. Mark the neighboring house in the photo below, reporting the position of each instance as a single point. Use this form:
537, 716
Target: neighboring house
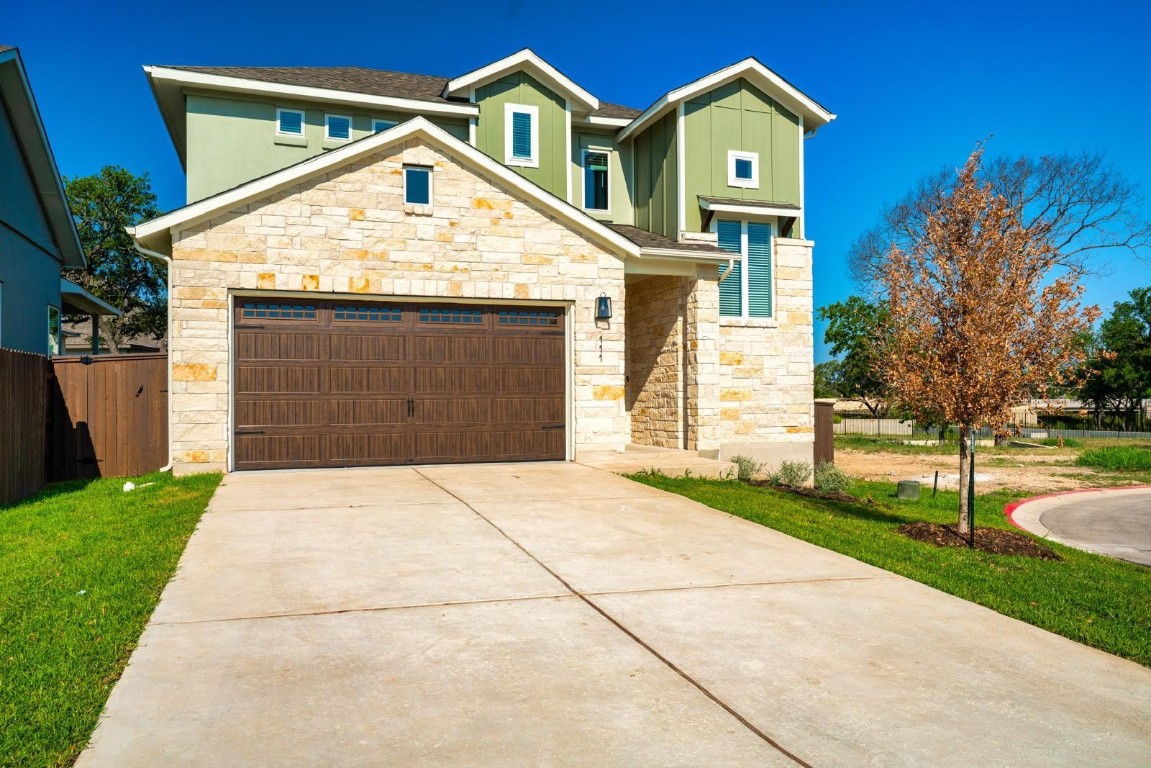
37, 235
77, 340
377, 267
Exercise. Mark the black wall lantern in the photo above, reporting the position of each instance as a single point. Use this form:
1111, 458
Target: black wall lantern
603, 307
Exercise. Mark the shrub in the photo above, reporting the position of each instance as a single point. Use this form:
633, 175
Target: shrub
1116, 457
792, 474
746, 467
830, 478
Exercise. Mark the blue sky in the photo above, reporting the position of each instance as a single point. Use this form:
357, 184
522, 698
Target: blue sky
915, 84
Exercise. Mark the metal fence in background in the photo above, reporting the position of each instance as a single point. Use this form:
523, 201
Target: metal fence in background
910, 430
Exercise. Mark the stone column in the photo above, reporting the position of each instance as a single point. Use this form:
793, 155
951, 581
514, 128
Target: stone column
701, 361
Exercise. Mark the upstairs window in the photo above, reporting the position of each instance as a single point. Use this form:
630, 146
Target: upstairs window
743, 169
383, 125
337, 127
747, 291
521, 135
595, 180
290, 122
417, 185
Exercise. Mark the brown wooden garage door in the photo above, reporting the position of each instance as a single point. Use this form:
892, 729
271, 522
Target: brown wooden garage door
341, 384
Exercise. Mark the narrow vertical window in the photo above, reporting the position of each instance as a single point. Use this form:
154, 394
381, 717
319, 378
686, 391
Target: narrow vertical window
521, 135
417, 185
731, 289
290, 122
595, 181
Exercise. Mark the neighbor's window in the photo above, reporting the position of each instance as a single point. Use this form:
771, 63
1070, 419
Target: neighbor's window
743, 169
521, 135
595, 180
53, 330
417, 185
747, 289
383, 125
290, 122
337, 127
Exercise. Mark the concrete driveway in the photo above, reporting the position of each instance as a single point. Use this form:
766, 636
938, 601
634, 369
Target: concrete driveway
554, 614
1110, 521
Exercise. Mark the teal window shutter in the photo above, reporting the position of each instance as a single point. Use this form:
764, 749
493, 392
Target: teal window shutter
522, 135
731, 289
758, 269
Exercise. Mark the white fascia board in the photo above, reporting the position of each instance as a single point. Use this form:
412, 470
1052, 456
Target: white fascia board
607, 122
242, 85
749, 210
537, 67
154, 232
751, 68
676, 254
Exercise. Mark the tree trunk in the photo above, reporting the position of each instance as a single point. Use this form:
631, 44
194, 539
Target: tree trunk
965, 448
108, 333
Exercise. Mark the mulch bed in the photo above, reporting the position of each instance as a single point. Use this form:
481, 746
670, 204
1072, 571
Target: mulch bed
997, 541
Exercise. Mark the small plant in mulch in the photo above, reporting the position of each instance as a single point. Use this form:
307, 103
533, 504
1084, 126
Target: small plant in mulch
996, 541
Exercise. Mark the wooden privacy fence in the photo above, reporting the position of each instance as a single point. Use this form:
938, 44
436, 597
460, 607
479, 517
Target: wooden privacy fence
23, 410
109, 416
824, 448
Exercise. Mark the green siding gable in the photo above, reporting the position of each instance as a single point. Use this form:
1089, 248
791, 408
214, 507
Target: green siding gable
232, 141
521, 88
656, 182
738, 116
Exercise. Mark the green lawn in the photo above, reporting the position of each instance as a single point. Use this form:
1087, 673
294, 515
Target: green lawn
82, 566
1092, 599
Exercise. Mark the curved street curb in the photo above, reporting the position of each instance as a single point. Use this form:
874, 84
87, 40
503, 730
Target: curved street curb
1025, 513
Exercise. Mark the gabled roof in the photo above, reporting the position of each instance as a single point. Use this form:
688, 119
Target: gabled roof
754, 71
525, 60
16, 92
155, 234
372, 82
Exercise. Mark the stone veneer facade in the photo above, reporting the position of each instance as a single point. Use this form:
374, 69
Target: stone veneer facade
765, 368
348, 232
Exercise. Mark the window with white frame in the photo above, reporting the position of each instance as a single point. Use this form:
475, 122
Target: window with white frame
337, 127
596, 172
743, 169
290, 122
747, 289
383, 125
417, 185
521, 135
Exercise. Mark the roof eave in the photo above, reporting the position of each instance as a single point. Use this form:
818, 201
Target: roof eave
526, 59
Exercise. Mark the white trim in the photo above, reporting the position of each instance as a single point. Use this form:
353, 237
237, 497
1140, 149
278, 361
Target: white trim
568, 147
303, 121
474, 120
680, 169
750, 211
802, 173
761, 76
607, 152
610, 122
326, 95
328, 126
733, 180
524, 60
431, 183
745, 298
386, 124
509, 158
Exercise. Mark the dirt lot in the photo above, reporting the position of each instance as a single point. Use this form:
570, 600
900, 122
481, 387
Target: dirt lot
1022, 472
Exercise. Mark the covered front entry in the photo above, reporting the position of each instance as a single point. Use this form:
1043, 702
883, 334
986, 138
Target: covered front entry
354, 383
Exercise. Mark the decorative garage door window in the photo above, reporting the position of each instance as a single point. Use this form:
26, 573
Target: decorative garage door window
528, 317
454, 315
371, 314
261, 311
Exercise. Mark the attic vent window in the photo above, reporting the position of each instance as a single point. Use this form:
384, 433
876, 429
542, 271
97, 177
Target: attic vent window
382, 125
337, 127
521, 135
290, 122
743, 169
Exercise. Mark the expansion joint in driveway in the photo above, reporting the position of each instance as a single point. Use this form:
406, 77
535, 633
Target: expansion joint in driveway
636, 639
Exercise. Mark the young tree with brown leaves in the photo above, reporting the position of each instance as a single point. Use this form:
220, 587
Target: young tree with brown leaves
982, 314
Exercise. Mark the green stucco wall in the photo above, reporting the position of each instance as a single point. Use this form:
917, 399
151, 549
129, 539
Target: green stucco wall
656, 205
232, 141
521, 88
620, 188
741, 117
29, 257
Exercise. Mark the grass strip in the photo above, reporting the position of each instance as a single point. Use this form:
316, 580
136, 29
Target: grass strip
1095, 600
82, 566
1117, 458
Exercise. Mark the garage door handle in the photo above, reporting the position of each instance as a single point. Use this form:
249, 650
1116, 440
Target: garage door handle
411, 407
552, 426
250, 432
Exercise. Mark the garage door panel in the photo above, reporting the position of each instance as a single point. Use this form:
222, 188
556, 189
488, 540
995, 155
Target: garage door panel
369, 412
376, 380
378, 448
510, 410
288, 413
455, 380
276, 380
448, 349
458, 446
526, 445
278, 346
457, 411
358, 348
303, 450
533, 381
537, 350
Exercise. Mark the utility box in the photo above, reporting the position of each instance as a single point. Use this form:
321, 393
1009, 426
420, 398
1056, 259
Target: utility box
907, 489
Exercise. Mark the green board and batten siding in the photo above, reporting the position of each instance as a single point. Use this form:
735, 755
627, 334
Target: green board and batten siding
656, 185
232, 141
741, 117
521, 88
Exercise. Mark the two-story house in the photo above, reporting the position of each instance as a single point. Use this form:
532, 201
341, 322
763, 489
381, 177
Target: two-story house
378, 267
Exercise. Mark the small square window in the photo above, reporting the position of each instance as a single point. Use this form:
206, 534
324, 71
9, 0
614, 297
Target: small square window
743, 169
383, 125
290, 122
417, 185
337, 127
